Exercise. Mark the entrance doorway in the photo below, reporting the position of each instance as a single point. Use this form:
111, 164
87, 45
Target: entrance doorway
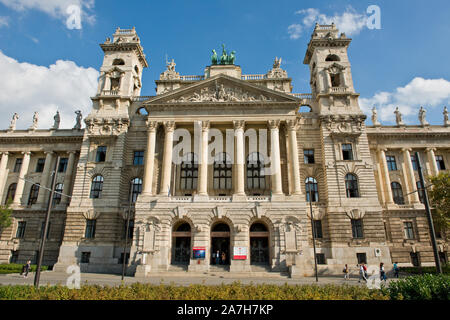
259, 244
220, 244
181, 244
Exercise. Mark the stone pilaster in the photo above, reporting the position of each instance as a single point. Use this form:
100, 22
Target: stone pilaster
275, 157
410, 177
203, 172
45, 178
432, 161
150, 158
387, 180
21, 183
169, 127
239, 186
3, 173
68, 177
292, 126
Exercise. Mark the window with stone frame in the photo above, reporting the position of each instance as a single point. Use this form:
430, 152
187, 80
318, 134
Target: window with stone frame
311, 189
96, 187
62, 167
357, 228
420, 191
256, 178
91, 225
414, 162
34, 193
57, 195
361, 257
14, 256
440, 163
347, 152
11, 192
320, 257
101, 154
138, 158
351, 186
415, 259
85, 257
317, 224
222, 177
397, 193
408, 230
18, 165
21, 226
308, 156
335, 80
391, 163
121, 258
136, 186
130, 229
40, 165
189, 172
43, 228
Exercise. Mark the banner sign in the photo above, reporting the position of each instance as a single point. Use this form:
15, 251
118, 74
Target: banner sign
199, 252
240, 253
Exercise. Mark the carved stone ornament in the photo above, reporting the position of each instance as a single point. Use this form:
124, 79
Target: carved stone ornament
335, 68
355, 213
106, 127
91, 214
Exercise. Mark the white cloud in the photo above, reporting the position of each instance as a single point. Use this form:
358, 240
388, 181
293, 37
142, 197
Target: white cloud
4, 22
350, 21
26, 88
54, 8
429, 93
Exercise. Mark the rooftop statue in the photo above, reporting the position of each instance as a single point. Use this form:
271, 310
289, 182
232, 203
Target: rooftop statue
422, 115
277, 63
35, 121
225, 58
446, 121
57, 119
214, 57
375, 121
78, 120
398, 117
12, 126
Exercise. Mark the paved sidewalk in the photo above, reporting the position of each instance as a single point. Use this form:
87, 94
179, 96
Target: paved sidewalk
179, 278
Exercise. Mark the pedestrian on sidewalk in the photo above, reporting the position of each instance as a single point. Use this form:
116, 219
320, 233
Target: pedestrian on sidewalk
382, 272
27, 268
346, 273
361, 273
217, 257
224, 257
396, 270
365, 271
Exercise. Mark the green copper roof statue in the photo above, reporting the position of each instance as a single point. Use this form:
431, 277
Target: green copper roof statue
225, 59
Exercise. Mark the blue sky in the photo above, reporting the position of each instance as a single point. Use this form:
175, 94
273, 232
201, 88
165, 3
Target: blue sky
404, 63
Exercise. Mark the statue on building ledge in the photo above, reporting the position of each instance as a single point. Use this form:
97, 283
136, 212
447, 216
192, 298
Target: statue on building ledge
12, 126
398, 117
276, 71
57, 120
78, 120
35, 121
446, 121
170, 73
422, 115
225, 58
375, 121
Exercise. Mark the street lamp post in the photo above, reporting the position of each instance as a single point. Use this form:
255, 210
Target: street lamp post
47, 219
312, 229
124, 261
429, 217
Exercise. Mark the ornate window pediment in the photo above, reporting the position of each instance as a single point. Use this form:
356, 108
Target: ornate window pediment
335, 68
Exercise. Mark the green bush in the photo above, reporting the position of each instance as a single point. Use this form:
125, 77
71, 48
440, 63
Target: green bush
425, 287
422, 270
17, 268
235, 291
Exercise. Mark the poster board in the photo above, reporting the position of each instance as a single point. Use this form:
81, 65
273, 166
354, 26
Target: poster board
240, 253
199, 252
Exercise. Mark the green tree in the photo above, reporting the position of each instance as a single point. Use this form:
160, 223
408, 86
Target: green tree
440, 201
5, 215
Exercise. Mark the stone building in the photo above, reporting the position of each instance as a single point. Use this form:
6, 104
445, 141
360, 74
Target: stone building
222, 162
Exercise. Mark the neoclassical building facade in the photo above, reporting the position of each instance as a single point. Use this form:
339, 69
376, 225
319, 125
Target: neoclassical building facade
222, 171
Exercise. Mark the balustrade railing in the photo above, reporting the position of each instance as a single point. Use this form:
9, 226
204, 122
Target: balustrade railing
253, 77
192, 78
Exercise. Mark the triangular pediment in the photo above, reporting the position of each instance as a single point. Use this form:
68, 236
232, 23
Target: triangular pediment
222, 89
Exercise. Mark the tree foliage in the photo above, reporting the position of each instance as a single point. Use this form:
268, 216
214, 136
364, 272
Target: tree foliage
5, 215
440, 201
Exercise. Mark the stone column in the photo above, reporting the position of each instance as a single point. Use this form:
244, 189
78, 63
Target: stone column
405, 178
3, 174
292, 126
169, 127
239, 186
45, 178
409, 175
387, 180
275, 166
147, 187
432, 161
203, 172
68, 177
21, 182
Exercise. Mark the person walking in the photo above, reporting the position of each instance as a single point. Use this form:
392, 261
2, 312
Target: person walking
361, 273
217, 257
224, 257
27, 268
382, 272
346, 274
365, 271
396, 270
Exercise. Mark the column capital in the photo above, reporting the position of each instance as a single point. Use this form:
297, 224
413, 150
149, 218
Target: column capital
71, 152
273, 124
49, 152
430, 149
26, 153
205, 125
169, 126
151, 125
292, 124
239, 124
382, 149
6, 153
406, 149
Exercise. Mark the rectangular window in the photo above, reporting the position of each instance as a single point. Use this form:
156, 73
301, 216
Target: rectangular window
309, 156
362, 258
443, 258
420, 191
18, 165
21, 229
415, 259
347, 151
90, 228
127, 257
130, 229
85, 256
440, 163
42, 230
101, 154
357, 228
40, 165
62, 167
317, 229
408, 230
14, 256
138, 158
414, 162
392, 165
321, 258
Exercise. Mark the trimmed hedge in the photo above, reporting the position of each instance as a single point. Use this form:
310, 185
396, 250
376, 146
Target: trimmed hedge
426, 287
422, 270
235, 291
17, 268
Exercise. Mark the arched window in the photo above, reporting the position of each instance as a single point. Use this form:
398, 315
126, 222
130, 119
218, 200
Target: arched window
182, 227
311, 187
258, 227
118, 62
189, 172
256, 178
34, 192
332, 57
305, 108
136, 69
57, 195
397, 193
351, 186
222, 172
136, 189
11, 192
96, 187
142, 111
